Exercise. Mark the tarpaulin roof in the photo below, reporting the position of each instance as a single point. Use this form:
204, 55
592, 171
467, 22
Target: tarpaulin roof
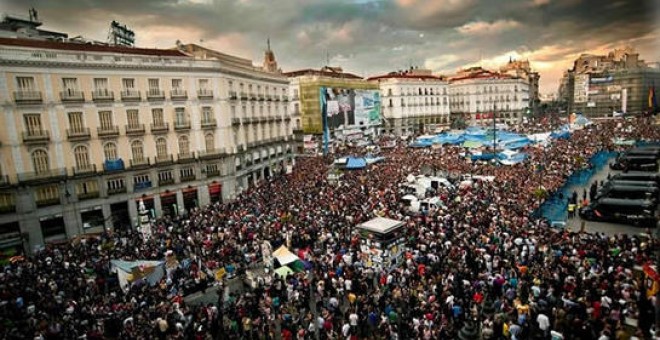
356, 163
284, 256
472, 144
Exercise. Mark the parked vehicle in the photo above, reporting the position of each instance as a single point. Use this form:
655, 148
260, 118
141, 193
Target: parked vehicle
628, 192
642, 163
650, 184
637, 176
637, 212
654, 152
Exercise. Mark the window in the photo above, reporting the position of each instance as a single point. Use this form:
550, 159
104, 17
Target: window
154, 85
184, 145
187, 172
133, 118
128, 83
138, 179
76, 122
209, 142
180, 116
137, 150
177, 84
165, 176
203, 85
115, 184
105, 120
40, 161
157, 115
207, 114
110, 151
101, 84
33, 124
25, 84
81, 156
47, 193
7, 200
87, 187
233, 111
70, 85
230, 84
161, 148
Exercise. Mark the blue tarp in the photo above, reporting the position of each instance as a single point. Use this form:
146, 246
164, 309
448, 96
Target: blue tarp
561, 134
356, 163
483, 157
517, 143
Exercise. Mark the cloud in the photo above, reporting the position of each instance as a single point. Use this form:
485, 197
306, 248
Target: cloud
370, 37
488, 28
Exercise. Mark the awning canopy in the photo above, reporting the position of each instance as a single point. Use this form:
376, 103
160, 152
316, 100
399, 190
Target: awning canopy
284, 256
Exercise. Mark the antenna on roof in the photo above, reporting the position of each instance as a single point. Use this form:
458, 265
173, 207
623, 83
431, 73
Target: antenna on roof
327, 58
268, 43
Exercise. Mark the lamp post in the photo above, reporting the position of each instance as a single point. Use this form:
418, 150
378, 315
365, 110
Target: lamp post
494, 129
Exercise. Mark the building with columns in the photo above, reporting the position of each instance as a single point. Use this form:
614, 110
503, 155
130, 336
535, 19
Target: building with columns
477, 94
413, 101
89, 130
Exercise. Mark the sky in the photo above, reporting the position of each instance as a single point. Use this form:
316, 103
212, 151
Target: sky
372, 37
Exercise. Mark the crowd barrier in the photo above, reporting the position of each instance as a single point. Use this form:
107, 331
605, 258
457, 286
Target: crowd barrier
555, 207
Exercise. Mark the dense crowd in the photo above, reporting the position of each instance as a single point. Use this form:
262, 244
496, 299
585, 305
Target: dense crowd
479, 264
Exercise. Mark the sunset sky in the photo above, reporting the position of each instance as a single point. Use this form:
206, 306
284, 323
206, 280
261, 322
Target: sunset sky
370, 37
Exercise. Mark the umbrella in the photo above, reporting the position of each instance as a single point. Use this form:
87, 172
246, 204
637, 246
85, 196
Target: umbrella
283, 271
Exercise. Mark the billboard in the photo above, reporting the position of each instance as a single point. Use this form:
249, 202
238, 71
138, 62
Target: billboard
344, 108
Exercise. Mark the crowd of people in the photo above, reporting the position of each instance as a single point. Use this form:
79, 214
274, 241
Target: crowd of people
480, 266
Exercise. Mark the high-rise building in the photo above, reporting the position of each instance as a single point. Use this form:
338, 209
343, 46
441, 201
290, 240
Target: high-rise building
600, 85
413, 101
87, 131
477, 96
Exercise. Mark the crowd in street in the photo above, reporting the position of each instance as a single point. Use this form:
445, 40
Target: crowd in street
480, 265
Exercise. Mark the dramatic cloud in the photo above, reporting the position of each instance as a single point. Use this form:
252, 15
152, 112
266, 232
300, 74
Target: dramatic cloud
369, 37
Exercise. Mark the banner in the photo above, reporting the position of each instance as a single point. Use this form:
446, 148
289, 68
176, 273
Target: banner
349, 108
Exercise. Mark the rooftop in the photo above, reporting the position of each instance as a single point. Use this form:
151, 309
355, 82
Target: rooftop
69, 46
331, 72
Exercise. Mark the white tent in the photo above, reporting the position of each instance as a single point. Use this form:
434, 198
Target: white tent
284, 256
130, 271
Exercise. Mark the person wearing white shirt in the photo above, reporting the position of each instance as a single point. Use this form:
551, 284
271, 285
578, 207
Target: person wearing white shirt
544, 323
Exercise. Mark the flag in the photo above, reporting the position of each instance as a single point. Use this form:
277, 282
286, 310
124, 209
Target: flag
652, 99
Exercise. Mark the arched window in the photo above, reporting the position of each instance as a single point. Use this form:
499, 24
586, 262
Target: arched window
82, 157
137, 150
161, 147
40, 161
184, 145
110, 151
209, 141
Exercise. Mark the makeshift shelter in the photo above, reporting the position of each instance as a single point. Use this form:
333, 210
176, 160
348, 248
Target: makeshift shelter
356, 163
130, 272
510, 157
284, 256
472, 144
283, 271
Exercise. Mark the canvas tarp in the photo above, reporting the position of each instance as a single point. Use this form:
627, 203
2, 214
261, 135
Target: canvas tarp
129, 272
284, 256
356, 163
283, 271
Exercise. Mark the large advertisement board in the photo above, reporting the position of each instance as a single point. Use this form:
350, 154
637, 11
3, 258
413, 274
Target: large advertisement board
344, 108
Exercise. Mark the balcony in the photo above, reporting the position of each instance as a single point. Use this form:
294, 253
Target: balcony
45, 202
91, 194
8, 209
164, 159
160, 127
155, 94
212, 172
165, 181
103, 95
51, 175
204, 94
36, 136
70, 96
178, 94
248, 120
188, 177
261, 97
285, 98
107, 131
233, 95
88, 169
78, 134
276, 98
244, 96
212, 154
113, 165
4, 181
235, 121
182, 125
135, 129
27, 97
130, 95
209, 123
140, 163
117, 190
295, 97
186, 157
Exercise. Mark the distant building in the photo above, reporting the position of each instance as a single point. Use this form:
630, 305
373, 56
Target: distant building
414, 101
476, 94
522, 69
351, 103
16, 26
599, 85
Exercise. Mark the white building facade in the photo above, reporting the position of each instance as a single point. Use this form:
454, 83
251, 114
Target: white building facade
89, 131
413, 104
478, 95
